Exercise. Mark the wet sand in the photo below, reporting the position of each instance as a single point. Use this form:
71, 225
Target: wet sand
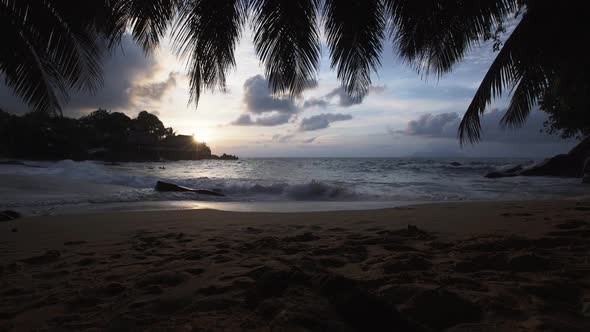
458, 266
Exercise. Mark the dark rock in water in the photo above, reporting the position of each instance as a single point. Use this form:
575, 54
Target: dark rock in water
9, 215
455, 163
573, 164
440, 309
171, 187
514, 171
560, 165
224, 157
165, 186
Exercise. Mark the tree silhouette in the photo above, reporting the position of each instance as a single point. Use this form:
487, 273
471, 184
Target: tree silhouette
54, 46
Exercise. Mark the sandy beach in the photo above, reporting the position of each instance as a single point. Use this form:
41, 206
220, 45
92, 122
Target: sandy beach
513, 266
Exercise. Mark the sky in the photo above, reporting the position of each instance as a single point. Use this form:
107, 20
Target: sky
404, 113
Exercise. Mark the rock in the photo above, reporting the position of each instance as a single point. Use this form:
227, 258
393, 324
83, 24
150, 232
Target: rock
513, 171
224, 157
171, 187
8, 215
455, 163
573, 164
165, 186
440, 309
560, 165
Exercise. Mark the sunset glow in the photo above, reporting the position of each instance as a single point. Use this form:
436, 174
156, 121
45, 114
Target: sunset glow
202, 135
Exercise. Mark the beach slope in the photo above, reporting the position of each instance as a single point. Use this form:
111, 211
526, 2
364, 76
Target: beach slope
454, 266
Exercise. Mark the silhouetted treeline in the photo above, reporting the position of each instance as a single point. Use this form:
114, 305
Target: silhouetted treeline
101, 135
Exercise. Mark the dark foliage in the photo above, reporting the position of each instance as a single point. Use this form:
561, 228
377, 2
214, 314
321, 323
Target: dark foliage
568, 104
101, 135
52, 47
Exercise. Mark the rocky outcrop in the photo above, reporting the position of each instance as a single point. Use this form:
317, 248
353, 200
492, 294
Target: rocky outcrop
171, 187
224, 157
9, 215
573, 164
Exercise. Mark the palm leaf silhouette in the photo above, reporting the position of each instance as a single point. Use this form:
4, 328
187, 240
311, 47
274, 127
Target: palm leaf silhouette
56, 46
287, 42
49, 50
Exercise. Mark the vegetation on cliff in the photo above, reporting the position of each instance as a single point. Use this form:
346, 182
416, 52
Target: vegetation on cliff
100, 135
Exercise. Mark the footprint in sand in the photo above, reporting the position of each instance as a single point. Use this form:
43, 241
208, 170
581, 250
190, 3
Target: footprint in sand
49, 256
572, 224
74, 243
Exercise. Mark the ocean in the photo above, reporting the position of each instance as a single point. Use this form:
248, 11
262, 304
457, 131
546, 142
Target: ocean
274, 184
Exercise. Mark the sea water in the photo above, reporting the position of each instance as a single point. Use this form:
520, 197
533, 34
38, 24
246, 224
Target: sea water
277, 184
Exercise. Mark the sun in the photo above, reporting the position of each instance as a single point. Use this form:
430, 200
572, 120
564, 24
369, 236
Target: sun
202, 135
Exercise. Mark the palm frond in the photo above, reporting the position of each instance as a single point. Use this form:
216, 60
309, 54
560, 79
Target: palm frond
207, 32
355, 31
433, 35
287, 42
50, 52
148, 20
502, 74
533, 83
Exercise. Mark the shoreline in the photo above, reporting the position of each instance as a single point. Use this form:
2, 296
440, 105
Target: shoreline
476, 266
230, 206
284, 207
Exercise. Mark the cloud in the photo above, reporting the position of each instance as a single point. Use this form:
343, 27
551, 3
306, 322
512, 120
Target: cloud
310, 140
439, 125
123, 69
288, 138
270, 110
243, 120
315, 102
271, 120
283, 138
260, 102
259, 99
445, 125
322, 121
154, 91
343, 98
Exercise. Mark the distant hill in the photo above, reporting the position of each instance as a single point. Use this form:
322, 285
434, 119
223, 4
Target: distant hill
101, 135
